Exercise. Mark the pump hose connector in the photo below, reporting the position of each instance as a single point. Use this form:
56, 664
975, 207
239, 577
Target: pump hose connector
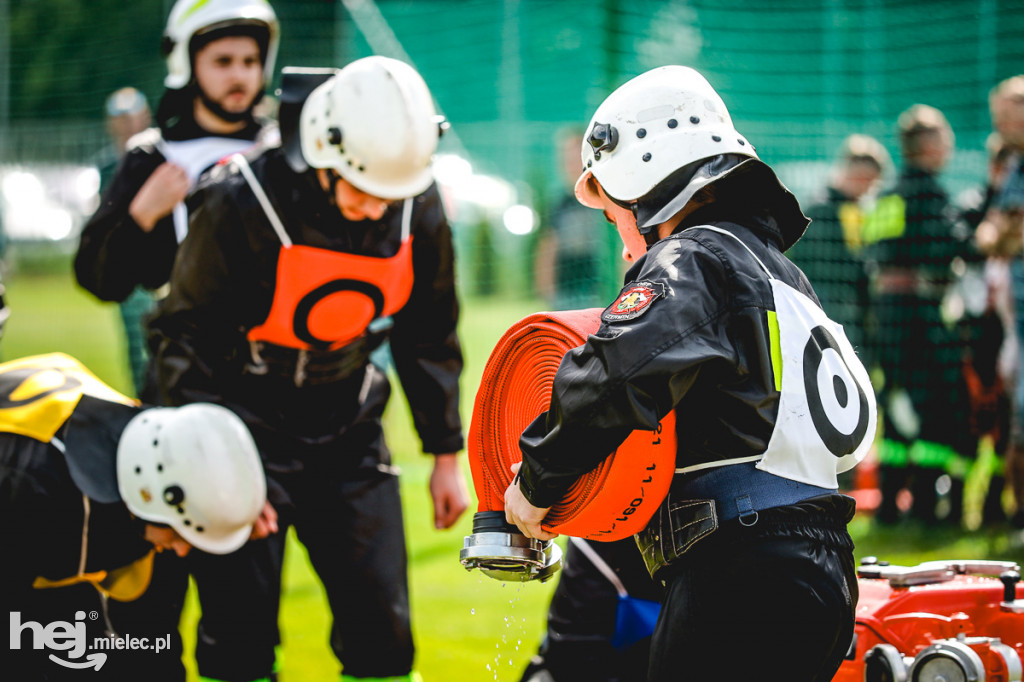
503, 553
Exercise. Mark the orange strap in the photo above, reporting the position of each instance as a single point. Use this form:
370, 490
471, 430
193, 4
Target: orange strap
614, 500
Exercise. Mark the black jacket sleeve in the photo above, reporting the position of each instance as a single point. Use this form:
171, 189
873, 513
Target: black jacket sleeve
424, 341
630, 373
114, 254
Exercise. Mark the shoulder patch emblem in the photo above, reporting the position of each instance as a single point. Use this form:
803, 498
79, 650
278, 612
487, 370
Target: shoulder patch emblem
633, 301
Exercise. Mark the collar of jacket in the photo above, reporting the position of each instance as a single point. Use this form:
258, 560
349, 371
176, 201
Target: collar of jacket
761, 221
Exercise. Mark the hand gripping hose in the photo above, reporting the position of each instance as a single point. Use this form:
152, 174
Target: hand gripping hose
614, 500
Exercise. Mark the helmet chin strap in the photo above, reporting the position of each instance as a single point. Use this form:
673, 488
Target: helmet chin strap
648, 232
676, 191
333, 178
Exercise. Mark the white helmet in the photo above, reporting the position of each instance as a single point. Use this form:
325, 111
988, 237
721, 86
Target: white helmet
650, 127
196, 469
374, 123
190, 18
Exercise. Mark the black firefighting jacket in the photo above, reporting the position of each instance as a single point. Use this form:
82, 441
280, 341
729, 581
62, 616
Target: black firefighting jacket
115, 255
47, 527
702, 348
223, 285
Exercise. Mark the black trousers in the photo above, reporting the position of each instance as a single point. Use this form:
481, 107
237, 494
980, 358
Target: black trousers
772, 601
349, 518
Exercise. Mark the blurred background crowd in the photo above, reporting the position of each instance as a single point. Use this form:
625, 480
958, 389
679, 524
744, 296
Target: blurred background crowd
515, 77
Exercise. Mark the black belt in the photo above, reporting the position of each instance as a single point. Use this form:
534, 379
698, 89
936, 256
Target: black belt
312, 367
742, 490
700, 501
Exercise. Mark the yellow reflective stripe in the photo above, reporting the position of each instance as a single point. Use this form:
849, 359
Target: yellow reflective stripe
192, 10
41, 583
887, 220
957, 466
130, 582
776, 350
851, 219
127, 583
892, 453
39, 393
932, 455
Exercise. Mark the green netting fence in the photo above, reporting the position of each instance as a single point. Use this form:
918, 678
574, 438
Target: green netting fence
797, 75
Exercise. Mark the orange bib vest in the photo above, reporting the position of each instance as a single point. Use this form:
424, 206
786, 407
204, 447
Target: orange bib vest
325, 299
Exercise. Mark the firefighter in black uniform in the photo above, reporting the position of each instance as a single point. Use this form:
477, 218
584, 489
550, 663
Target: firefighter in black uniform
914, 239
298, 264
830, 252
220, 55
770, 399
90, 484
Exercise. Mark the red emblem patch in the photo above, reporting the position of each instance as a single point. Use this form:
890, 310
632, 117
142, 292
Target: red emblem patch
633, 301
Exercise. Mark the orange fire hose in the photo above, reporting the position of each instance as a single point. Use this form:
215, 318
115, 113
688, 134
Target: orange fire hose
611, 502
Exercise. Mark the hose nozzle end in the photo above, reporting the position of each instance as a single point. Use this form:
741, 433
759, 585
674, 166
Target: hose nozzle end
503, 553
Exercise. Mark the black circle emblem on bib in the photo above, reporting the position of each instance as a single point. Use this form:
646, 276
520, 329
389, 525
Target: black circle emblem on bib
838, 443
300, 321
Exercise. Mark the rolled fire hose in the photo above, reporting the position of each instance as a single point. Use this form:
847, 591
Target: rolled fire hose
613, 501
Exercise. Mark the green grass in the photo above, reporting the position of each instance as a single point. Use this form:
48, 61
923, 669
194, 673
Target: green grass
467, 627
463, 622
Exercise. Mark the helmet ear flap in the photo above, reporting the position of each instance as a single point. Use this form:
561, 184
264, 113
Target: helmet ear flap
296, 85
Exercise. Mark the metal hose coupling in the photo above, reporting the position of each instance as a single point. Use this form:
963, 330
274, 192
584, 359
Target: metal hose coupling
501, 552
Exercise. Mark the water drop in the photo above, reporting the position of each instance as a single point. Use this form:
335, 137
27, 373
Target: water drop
472, 612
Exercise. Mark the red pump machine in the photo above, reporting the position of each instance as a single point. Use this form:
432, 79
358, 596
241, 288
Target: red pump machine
940, 621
